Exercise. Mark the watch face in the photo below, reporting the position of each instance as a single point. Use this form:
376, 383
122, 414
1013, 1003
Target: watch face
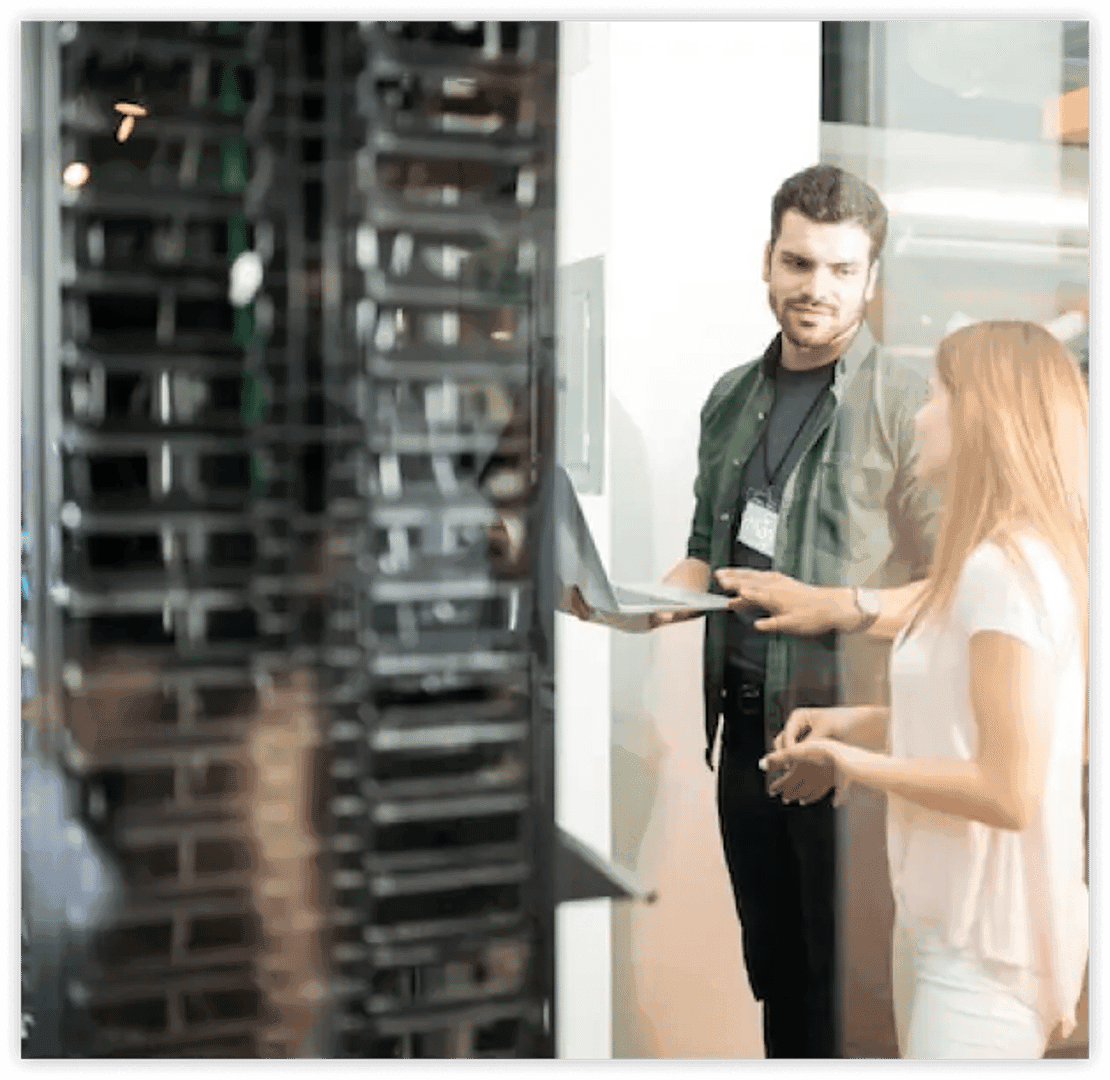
869, 602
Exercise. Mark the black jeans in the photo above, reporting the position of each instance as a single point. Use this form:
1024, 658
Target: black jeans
782, 864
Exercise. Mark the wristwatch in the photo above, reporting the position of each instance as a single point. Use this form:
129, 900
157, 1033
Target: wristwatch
870, 606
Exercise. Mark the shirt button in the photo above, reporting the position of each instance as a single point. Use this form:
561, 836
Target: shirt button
724, 517
736, 462
762, 415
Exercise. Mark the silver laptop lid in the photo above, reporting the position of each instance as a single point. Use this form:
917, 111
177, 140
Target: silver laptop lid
576, 558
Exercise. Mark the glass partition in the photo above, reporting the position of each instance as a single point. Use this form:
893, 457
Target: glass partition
976, 136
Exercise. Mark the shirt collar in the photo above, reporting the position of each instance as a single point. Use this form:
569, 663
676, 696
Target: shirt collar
847, 364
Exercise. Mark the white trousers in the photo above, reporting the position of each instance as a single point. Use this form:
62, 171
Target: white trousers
952, 1004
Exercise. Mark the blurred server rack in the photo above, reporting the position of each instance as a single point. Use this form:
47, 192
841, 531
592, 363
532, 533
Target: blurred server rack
178, 585
444, 818
285, 495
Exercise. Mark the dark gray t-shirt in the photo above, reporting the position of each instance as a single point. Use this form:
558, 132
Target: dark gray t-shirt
797, 397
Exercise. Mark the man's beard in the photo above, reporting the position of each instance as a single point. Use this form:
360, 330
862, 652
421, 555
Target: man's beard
837, 324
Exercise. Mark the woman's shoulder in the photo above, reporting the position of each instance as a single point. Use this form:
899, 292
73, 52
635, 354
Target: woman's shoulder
1019, 574
1015, 556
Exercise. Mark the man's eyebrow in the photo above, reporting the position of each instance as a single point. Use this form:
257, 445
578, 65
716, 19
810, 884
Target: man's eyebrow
786, 253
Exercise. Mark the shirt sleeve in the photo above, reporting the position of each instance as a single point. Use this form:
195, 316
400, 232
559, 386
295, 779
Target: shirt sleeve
915, 504
700, 542
994, 594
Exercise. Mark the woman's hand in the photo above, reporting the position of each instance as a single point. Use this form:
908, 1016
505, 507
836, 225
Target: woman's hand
804, 724
804, 782
838, 760
842, 759
813, 751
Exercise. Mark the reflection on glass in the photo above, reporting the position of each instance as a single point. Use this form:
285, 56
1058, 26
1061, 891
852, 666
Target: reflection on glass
976, 136
975, 133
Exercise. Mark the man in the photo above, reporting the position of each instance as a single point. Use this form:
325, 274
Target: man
805, 468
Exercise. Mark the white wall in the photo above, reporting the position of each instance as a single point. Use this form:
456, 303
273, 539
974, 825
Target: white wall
673, 137
583, 989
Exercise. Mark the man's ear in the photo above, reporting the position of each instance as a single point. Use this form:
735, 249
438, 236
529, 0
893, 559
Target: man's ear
872, 282
767, 262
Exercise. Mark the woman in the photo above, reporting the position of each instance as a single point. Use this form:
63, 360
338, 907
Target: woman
986, 729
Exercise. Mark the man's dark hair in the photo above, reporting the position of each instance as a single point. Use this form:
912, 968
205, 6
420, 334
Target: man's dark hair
830, 195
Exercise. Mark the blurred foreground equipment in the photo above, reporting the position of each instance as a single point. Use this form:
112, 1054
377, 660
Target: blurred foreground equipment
288, 354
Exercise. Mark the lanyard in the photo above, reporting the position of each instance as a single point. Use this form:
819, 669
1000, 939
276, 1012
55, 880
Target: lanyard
770, 476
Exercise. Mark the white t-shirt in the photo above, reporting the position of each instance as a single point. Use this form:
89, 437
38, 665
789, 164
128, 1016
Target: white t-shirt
1012, 897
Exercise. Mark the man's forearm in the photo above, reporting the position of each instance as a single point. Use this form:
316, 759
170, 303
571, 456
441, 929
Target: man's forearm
689, 574
896, 605
797, 608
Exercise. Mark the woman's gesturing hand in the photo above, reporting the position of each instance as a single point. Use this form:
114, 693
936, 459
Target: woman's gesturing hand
804, 724
815, 751
807, 756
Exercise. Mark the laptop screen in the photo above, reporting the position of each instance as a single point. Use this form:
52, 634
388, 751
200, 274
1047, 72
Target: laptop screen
576, 558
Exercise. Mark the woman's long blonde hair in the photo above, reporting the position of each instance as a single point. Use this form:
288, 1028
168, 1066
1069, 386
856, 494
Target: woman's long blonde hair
1019, 459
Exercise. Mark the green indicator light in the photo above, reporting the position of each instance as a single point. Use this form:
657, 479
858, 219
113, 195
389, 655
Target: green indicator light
230, 100
233, 165
254, 402
236, 236
243, 334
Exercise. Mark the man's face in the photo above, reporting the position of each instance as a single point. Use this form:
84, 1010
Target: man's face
819, 279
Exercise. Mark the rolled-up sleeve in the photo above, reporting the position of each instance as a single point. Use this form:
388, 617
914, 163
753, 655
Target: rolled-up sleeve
915, 504
700, 544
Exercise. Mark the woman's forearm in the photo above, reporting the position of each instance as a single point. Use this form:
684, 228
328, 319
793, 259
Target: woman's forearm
862, 725
945, 786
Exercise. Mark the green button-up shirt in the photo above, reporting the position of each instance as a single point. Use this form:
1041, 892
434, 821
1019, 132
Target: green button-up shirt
852, 512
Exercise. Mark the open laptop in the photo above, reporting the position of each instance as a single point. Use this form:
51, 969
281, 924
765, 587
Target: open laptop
578, 563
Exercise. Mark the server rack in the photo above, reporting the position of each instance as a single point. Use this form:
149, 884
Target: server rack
455, 177
292, 423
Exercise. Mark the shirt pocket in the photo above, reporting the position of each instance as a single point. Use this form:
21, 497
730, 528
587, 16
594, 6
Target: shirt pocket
868, 478
852, 520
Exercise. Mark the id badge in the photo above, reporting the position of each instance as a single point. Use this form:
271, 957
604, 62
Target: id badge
758, 525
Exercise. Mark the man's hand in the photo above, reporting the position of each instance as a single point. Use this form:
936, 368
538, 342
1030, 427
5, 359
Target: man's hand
672, 615
796, 608
576, 604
